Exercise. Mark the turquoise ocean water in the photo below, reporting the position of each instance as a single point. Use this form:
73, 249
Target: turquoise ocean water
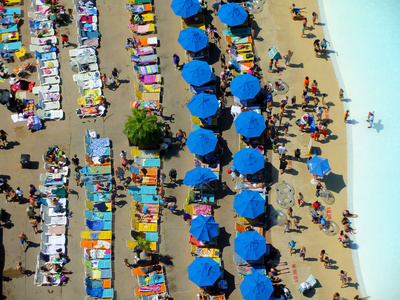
365, 38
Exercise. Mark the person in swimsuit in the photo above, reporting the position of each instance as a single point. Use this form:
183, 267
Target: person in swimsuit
324, 44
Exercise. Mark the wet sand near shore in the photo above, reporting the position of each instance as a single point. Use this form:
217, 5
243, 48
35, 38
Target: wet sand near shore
276, 29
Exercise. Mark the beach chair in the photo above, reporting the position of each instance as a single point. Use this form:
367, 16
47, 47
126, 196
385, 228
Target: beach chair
97, 274
144, 208
56, 115
151, 279
96, 244
48, 64
98, 225
51, 249
48, 181
98, 207
10, 11
98, 216
40, 279
48, 80
50, 40
53, 72
146, 96
144, 227
311, 282
142, 29
204, 252
90, 84
139, 8
53, 239
140, 1
142, 51
52, 88
150, 79
89, 253
97, 264
49, 97
142, 271
147, 41
43, 56
144, 60
147, 162
86, 76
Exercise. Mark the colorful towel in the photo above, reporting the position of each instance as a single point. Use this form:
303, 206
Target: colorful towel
204, 210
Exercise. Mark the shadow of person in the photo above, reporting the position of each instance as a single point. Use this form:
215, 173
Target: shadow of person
378, 126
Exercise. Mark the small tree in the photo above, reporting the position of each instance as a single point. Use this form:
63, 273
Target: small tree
143, 130
144, 244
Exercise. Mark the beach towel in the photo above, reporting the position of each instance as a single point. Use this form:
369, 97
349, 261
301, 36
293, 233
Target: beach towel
204, 210
95, 226
93, 283
94, 292
94, 235
104, 244
154, 288
146, 70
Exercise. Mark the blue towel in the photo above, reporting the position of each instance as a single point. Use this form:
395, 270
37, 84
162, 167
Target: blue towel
95, 226
107, 256
93, 283
94, 292
94, 235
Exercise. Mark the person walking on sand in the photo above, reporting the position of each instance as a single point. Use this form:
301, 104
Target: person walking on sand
290, 212
3, 137
324, 44
288, 57
283, 165
303, 253
176, 60
114, 75
370, 119
172, 175
327, 262
300, 200
346, 115
314, 17
306, 83
321, 255
75, 160
343, 278
282, 151
286, 226
296, 222
34, 224
314, 87
304, 26
292, 244
23, 240
64, 39
181, 136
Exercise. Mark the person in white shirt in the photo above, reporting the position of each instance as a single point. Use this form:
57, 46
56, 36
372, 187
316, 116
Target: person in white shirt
282, 150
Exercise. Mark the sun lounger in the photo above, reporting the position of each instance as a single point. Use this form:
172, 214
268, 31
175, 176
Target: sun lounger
97, 253
144, 96
82, 51
147, 162
142, 29
50, 88
44, 41
10, 37
43, 56
10, 11
147, 88
238, 39
204, 252
96, 170
48, 229
51, 249
147, 41
96, 235
53, 239
92, 111
98, 198
36, 15
146, 70
98, 207
97, 264
98, 216
53, 72
145, 17
139, 8
144, 227
144, 60
49, 79
158, 269
143, 190
51, 212
90, 84
50, 181
8, 28
145, 207
150, 79
48, 64
194, 242
41, 279
12, 2
96, 244
91, 187
146, 199
201, 26
240, 261
140, 1
50, 114
311, 281
49, 97
150, 290
11, 46
98, 225
147, 50
90, 92
86, 76
151, 279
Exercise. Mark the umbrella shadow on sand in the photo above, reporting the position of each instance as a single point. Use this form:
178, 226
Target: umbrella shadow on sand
334, 182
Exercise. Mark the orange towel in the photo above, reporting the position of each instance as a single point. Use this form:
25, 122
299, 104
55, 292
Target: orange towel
106, 283
138, 271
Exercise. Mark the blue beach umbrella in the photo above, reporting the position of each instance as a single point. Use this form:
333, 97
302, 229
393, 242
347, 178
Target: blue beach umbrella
203, 105
204, 271
249, 204
256, 287
185, 8
196, 72
199, 175
250, 124
248, 161
250, 245
232, 14
318, 166
204, 228
193, 39
201, 141
245, 86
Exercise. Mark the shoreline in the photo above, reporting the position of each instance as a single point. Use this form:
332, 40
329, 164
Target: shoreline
350, 154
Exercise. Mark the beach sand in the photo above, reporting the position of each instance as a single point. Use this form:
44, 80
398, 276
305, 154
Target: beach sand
277, 29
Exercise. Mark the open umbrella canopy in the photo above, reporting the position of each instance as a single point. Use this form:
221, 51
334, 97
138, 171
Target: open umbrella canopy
256, 287
202, 141
199, 175
203, 105
248, 161
249, 204
250, 245
204, 228
193, 39
204, 271
318, 166
245, 86
185, 8
196, 72
250, 124
232, 14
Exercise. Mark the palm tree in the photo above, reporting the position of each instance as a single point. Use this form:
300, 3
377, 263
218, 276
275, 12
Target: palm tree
143, 130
